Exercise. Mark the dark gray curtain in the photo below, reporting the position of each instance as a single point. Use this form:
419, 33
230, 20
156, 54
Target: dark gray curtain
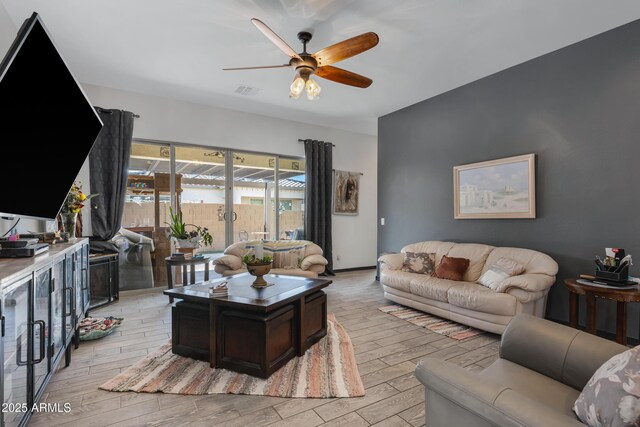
317, 208
109, 165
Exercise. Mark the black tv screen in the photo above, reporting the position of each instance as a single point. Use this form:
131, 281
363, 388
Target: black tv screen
47, 125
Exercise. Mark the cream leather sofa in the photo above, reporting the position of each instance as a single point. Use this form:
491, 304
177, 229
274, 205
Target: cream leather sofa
308, 259
466, 301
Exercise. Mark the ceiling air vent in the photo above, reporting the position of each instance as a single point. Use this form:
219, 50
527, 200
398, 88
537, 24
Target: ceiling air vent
247, 90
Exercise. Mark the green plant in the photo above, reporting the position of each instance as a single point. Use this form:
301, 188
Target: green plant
251, 259
178, 229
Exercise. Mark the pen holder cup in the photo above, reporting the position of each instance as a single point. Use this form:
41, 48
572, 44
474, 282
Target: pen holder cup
611, 276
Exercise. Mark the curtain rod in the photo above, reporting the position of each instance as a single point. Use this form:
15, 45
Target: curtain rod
359, 173
303, 140
102, 110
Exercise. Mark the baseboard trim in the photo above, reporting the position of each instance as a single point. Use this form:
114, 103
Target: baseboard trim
345, 270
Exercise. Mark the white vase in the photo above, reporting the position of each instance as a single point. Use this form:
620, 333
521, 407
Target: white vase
193, 242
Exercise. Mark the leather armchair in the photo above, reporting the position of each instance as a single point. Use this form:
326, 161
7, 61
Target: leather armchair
542, 368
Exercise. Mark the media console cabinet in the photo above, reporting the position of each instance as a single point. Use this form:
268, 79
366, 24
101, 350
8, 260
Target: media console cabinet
42, 300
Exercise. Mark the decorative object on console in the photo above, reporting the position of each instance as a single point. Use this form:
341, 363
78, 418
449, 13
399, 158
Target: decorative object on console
346, 190
503, 188
418, 262
71, 207
451, 268
327, 369
317, 63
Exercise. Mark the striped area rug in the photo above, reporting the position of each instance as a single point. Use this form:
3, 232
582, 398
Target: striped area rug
436, 324
328, 369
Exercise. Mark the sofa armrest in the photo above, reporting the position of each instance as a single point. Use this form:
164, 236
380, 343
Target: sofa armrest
487, 400
231, 261
391, 261
531, 282
311, 260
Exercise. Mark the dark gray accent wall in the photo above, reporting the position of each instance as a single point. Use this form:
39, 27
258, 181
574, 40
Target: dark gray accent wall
578, 110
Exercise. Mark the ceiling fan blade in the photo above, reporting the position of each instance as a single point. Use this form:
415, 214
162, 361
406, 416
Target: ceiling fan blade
275, 38
343, 76
346, 49
256, 68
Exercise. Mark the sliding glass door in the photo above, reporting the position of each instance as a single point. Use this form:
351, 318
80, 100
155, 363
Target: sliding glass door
236, 195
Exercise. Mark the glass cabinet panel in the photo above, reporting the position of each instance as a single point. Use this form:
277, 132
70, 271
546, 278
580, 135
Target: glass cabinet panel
16, 309
68, 298
41, 299
57, 309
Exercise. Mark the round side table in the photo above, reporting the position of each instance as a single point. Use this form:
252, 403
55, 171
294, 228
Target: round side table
621, 296
189, 263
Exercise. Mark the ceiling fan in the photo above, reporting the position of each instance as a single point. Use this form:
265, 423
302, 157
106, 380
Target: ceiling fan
319, 63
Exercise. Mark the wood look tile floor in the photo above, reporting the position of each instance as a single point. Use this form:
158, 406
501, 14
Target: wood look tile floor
387, 350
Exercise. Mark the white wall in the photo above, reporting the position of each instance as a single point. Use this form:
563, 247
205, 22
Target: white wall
354, 237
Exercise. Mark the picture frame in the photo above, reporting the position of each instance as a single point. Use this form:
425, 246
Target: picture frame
346, 192
495, 189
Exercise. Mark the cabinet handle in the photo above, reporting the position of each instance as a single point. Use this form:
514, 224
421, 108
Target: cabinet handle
53, 285
2, 325
64, 300
19, 361
235, 216
42, 340
224, 216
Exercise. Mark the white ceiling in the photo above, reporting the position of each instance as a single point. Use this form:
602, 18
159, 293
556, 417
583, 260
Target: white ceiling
177, 49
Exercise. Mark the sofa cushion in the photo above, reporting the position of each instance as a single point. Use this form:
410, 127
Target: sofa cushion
498, 271
476, 254
612, 395
431, 287
452, 268
477, 297
432, 246
533, 261
419, 262
398, 279
535, 386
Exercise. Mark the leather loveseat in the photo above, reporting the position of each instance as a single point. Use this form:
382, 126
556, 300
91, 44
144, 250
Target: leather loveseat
466, 301
290, 257
542, 368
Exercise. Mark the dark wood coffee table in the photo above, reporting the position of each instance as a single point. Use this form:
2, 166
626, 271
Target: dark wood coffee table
253, 331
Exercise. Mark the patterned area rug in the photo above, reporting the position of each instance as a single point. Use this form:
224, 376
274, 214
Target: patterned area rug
328, 369
436, 324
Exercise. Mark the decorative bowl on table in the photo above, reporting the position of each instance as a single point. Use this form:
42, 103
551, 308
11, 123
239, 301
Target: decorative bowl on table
258, 267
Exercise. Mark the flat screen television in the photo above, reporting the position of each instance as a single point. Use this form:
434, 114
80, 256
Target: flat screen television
47, 125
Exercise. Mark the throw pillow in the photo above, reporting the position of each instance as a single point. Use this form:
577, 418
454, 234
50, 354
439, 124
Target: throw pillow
452, 268
498, 271
419, 262
612, 395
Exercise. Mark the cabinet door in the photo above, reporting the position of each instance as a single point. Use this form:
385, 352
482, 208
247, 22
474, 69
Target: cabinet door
41, 327
81, 282
57, 310
86, 291
15, 343
69, 299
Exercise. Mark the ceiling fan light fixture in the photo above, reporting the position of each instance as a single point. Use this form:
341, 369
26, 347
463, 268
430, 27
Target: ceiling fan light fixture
313, 89
297, 87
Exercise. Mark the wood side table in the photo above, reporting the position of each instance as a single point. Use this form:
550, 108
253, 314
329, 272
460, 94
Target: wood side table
184, 264
621, 296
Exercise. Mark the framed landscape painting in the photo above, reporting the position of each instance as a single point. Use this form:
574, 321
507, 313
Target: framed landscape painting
503, 188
